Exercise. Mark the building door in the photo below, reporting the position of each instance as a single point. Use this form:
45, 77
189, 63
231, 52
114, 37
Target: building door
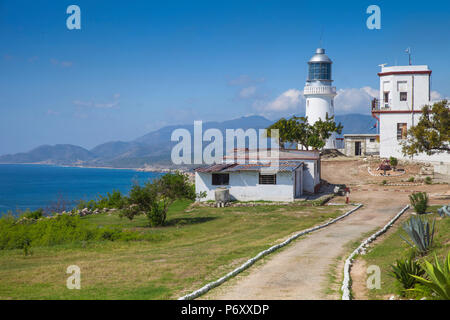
357, 148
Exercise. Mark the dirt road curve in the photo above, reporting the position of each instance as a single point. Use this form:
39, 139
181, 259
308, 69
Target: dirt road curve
301, 270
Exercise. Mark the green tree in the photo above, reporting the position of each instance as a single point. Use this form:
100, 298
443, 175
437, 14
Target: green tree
432, 134
298, 130
154, 198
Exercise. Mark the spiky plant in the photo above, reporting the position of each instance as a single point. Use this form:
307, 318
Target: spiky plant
438, 278
420, 232
445, 210
403, 270
419, 201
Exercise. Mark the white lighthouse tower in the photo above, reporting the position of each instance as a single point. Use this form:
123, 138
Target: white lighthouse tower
319, 92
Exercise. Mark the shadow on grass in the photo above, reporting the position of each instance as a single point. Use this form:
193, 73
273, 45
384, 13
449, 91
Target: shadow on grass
187, 221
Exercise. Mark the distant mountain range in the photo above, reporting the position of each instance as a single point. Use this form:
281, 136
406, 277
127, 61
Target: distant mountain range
154, 148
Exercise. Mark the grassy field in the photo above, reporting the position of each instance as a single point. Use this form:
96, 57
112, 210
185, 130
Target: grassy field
393, 247
196, 246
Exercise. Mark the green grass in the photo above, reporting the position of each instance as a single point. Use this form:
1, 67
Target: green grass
197, 245
393, 247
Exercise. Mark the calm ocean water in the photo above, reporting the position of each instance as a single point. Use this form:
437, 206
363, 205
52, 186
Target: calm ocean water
38, 186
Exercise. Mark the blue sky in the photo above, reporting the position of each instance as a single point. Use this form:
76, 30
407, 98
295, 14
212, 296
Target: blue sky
136, 66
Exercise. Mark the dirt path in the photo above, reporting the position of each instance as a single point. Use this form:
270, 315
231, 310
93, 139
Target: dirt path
301, 270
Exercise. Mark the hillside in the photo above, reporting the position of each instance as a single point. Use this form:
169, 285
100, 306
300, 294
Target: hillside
154, 148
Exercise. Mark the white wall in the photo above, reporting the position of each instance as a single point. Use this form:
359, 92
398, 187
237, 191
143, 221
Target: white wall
311, 176
421, 91
317, 106
244, 186
390, 146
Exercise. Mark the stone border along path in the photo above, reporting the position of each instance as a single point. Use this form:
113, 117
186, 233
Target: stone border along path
380, 175
387, 190
260, 255
348, 263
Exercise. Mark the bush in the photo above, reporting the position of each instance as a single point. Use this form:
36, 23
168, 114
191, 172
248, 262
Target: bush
438, 278
411, 179
61, 229
33, 214
154, 198
428, 180
403, 272
393, 161
419, 201
384, 182
420, 232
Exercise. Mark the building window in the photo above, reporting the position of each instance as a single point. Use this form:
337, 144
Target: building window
220, 179
402, 131
403, 96
372, 139
267, 179
386, 97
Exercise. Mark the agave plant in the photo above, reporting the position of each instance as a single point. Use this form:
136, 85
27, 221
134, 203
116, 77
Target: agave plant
403, 271
438, 278
445, 210
421, 233
419, 201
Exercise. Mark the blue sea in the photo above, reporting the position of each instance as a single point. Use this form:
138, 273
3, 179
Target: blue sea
40, 186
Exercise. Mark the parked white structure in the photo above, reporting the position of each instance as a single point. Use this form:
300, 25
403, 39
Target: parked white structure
298, 171
319, 92
404, 90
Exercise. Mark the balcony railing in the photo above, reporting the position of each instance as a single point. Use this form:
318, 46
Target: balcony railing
378, 105
319, 90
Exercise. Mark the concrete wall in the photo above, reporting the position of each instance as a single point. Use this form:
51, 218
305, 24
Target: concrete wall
311, 175
244, 186
419, 84
367, 147
390, 146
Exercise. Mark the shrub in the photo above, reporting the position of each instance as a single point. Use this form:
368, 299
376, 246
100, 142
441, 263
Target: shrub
438, 278
57, 230
154, 198
384, 182
419, 201
428, 180
403, 272
393, 161
411, 179
420, 232
33, 214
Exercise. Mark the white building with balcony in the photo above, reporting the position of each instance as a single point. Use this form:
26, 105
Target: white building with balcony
404, 90
319, 93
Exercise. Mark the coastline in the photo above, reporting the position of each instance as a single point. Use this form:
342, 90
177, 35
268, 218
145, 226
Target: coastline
141, 169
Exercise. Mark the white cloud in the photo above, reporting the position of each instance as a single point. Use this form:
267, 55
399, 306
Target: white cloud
289, 102
105, 105
64, 64
51, 112
247, 92
244, 80
437, 96
354, 100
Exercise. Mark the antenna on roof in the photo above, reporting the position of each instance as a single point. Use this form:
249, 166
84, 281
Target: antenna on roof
382, 65
321, 38
408, 52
